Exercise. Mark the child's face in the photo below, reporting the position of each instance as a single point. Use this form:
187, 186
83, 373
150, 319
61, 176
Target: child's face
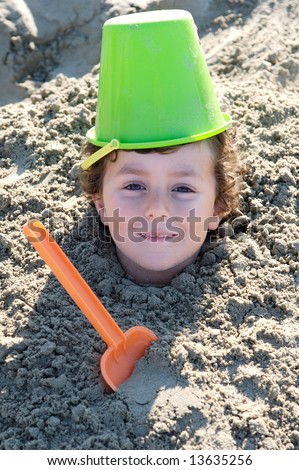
159, 208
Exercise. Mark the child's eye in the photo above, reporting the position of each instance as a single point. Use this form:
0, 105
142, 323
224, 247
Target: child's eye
183, 189
134, 187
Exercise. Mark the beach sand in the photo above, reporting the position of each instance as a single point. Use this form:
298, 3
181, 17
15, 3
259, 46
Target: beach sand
224, 371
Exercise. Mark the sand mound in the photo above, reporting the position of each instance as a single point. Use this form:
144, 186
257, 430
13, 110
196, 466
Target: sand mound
224, 372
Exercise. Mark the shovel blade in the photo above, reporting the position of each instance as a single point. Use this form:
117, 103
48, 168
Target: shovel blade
118, 363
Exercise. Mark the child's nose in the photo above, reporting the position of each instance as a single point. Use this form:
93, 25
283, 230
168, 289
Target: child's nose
156, 206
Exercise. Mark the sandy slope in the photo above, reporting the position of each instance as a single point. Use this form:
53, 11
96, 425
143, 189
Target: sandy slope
224, 372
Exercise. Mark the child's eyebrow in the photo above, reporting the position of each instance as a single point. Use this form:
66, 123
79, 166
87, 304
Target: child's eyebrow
130, 170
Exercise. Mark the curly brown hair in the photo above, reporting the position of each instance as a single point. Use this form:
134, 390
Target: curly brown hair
227, 166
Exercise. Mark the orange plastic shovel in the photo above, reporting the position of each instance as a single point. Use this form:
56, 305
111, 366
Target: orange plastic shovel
124, 349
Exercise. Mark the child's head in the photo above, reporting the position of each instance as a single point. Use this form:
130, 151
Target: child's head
160, 203
161, 165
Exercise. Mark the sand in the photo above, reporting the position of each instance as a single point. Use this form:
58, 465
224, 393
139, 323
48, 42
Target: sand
224, 371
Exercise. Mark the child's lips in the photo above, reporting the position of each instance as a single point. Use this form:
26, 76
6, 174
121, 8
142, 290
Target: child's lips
159, 237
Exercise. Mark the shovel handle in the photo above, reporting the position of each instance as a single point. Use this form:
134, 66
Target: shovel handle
73, 283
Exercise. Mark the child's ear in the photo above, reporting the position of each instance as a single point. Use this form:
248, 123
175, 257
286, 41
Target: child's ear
99, 205
216, 219
214, 222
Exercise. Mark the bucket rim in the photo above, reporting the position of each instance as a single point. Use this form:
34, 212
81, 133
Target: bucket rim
161, 143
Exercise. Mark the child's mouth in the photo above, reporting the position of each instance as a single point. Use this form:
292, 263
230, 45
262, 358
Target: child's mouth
160, 237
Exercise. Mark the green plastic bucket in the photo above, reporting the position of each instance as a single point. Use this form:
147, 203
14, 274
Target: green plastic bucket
155, 89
